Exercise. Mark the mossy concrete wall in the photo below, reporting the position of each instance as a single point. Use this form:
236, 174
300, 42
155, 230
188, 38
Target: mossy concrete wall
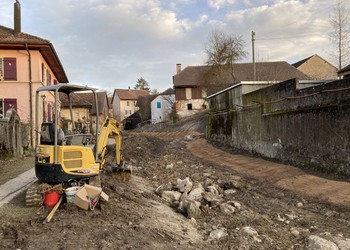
308, 128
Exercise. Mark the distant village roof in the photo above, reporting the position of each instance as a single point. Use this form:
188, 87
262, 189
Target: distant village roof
85, 100
144, 100
169, 91
130, 94
265, 71
346, 68
22, 41
297, 64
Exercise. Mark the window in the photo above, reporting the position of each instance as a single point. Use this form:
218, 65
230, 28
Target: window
1, 109
127, 103
48, 78
1, 70
6, 104
43, 72
8, 69
159, 105
189, 106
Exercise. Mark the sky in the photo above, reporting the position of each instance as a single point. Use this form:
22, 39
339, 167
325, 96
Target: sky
109, 44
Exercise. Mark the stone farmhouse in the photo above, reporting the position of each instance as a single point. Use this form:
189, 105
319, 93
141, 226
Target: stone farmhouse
317, 68
191, 84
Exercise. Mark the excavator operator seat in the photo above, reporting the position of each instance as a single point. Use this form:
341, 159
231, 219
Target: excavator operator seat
48, 133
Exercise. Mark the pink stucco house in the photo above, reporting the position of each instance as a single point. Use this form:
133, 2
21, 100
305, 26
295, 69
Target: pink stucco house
26, 63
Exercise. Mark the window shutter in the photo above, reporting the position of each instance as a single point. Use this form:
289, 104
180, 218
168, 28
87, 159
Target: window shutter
42, 72
10, 103
10, 69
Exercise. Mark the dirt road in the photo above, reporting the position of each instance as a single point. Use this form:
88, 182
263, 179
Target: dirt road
246, 212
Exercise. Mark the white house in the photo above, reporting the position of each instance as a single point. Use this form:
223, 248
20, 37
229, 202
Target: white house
162, 106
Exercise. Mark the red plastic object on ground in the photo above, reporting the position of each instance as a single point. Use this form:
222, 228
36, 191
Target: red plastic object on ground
51, 199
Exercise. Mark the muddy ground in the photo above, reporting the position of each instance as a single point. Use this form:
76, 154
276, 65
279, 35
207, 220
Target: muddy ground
258, 215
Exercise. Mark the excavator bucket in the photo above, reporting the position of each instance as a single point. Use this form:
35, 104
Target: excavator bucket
122, 172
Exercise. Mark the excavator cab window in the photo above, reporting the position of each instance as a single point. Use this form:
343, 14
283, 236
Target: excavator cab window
47, 136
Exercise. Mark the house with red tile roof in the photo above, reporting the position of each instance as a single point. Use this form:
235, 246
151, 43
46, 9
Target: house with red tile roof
26, 63
124, 102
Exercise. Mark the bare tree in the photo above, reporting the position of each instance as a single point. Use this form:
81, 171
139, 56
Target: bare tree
222, 51
340, 35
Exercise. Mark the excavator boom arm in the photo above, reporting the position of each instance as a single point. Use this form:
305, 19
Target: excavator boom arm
110, 127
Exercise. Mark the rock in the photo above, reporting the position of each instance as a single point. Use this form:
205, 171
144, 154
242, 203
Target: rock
295, 232
343, 244
227, 208
185, 185
209, 197
179, 162
291, 216
279, 218
251, 232
196, 194
213, 189
167, 186
233, 184
188, 138
193, 209
217, 234
197, 185
235, 204
183, 204
171, 196
230, 191
300, 204
169, 166
318, 243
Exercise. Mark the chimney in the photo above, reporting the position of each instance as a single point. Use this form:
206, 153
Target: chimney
17, 17
178, 68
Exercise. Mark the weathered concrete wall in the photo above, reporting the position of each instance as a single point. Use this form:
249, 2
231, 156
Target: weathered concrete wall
308, 128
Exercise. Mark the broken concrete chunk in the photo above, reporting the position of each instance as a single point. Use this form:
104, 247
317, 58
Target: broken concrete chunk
171, 196
227, 208
164, 187
196, 194
217, 234
318, 243
185, 185
193, 209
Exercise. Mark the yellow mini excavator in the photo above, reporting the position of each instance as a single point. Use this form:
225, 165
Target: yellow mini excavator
70, 158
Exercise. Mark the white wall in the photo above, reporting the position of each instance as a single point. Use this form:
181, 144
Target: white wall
166, 106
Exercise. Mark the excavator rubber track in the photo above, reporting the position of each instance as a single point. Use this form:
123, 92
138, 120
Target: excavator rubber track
33, 197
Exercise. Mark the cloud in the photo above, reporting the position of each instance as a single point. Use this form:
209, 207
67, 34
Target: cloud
217, 4
112, 43
285, 30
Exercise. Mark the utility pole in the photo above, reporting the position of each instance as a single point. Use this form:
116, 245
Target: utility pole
253, 50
